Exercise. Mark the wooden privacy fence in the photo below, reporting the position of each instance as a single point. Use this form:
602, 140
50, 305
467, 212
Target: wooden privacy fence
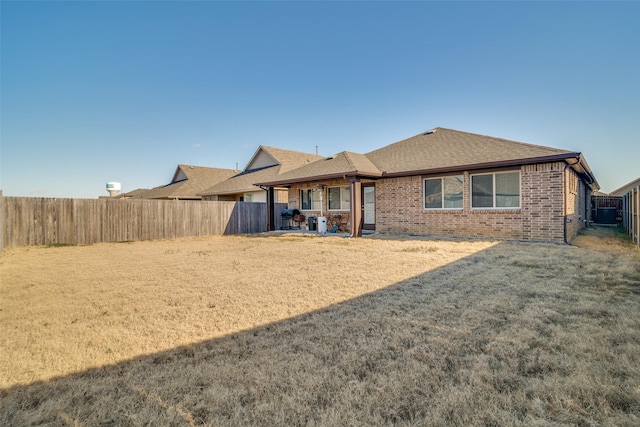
606, 209
631, 214
28, 221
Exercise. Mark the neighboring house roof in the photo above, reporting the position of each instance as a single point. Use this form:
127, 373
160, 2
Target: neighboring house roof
243, 182
337, 166
625, 188
287, 159
439, 150
188, 181
266, 164
133, 194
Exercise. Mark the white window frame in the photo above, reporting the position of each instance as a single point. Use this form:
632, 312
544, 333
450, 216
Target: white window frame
442, 193
493, 182
343, 190
315, 203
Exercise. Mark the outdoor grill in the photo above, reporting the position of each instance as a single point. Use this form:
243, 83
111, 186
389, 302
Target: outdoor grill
291, 214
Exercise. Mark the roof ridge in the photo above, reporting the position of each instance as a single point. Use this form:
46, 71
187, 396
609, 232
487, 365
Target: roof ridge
180, 165
498, 138
348, 157
269, 147
195, 166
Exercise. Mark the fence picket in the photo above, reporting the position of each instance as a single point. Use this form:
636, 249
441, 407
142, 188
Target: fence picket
28, 221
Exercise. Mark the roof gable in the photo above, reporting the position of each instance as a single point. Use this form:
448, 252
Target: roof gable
260, 159
179, 176
290, 159
270, 156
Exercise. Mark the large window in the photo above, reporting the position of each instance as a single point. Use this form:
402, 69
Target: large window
443, 193
339, 199
495, 190
310, 199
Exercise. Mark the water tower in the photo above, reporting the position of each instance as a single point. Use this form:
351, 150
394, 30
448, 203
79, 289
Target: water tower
113, 188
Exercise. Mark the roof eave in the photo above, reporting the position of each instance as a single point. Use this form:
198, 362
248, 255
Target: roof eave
580, 165
234, 191
320, 178
487, 165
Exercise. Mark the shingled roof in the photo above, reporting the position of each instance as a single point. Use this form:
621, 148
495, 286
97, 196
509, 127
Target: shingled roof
242, 182
188, 181
290, 159
435, 151
442, 148
344, 163
271, 162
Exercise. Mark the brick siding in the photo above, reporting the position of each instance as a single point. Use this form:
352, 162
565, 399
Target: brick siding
282, 196
541, 216
577, 199
334, 217
552, 199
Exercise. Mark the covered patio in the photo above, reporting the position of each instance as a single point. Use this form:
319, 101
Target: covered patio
340, 188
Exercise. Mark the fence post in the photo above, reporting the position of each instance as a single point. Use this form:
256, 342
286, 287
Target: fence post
637, 213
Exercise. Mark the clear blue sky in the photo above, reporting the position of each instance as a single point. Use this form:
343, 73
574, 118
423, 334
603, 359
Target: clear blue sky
125, 91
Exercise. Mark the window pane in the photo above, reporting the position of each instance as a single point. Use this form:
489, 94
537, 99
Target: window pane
508, 190
334, 198
315, 200
453, 192
433, 193
305, 200
346, 199
482, 191
369, 216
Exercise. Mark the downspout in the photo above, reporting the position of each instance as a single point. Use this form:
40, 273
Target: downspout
271, 217
564, 202
587, 206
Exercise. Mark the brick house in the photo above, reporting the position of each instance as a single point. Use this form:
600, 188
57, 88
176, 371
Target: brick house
446, 182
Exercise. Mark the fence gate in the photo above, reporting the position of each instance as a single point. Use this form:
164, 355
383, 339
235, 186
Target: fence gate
606, 210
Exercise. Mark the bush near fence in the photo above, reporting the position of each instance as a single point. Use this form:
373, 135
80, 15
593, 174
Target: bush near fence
29, 221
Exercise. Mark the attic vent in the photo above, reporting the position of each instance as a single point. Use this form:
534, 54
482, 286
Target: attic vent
429, 132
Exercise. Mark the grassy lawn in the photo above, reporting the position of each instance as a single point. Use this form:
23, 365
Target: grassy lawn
304, 330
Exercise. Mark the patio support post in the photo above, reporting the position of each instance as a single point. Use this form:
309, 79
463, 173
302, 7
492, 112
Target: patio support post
355, 189
637, 215
271, 217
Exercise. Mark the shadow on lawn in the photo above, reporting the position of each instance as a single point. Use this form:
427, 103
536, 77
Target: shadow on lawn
459, 345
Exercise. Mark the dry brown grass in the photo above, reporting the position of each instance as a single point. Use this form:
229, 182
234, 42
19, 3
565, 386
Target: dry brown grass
292, 330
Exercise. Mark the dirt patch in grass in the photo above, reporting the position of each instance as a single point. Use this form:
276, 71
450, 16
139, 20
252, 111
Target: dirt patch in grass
294, 329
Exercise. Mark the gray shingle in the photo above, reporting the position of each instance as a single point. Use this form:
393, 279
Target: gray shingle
435, 150
445, 148
198, 179
286, 160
